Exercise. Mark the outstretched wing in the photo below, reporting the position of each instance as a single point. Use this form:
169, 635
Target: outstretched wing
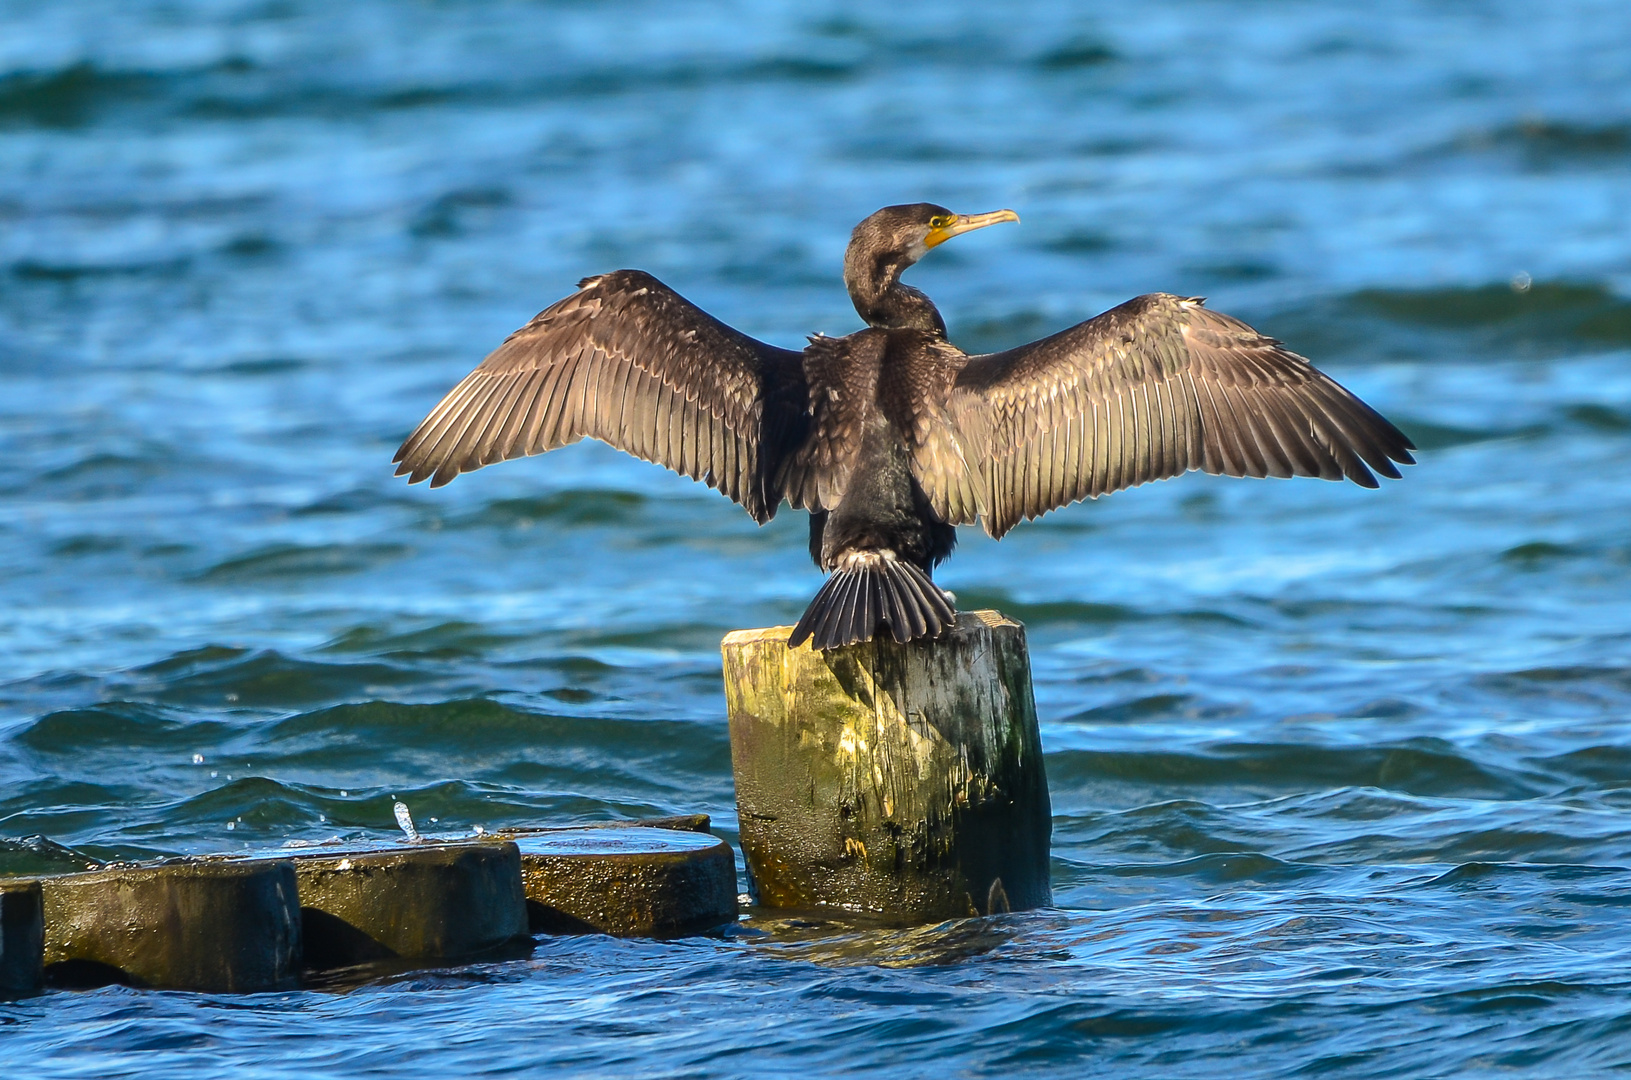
1151, 389
630, 362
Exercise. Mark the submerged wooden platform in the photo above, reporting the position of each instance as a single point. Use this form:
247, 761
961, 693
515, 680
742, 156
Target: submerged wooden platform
248, 924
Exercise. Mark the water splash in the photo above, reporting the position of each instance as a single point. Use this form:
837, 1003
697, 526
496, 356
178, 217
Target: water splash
404, 821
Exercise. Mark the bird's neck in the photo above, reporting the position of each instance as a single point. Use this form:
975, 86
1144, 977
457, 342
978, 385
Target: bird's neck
885, 303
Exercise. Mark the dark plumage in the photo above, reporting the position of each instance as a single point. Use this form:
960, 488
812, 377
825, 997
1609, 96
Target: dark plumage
892, 436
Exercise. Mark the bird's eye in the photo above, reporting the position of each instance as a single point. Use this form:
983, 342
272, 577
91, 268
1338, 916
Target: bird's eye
940, 221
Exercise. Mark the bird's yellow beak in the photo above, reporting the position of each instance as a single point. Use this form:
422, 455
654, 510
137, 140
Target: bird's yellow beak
963, 223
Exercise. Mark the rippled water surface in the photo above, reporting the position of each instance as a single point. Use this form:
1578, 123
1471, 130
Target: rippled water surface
1340, 778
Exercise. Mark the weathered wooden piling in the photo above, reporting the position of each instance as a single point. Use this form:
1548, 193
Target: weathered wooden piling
431, 901
188, 924
900, 780
22, 937
631, 881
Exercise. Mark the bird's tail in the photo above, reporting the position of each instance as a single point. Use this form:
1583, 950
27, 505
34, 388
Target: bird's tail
869, 589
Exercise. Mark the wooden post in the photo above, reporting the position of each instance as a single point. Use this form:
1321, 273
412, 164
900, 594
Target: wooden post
900, 780
22, 937
215, 925
632, 881
416, 902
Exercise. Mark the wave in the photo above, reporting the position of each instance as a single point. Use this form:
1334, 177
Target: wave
30, 855
443, 641
196, 780
504, 737
1429, 767
1048, 612
84, 93
67, 272
1501, 320
1542, 144
1585, 311
225, 677
301, 561
1077, 53
116, 724
585, 506
1154, 707
71, 96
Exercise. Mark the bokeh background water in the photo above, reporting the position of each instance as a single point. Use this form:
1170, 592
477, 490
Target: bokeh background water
1340, 778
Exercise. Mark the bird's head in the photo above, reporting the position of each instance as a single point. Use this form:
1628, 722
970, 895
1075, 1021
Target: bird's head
892, 239
906, 233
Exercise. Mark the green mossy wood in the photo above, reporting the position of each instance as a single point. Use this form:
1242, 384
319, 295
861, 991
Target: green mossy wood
901, 780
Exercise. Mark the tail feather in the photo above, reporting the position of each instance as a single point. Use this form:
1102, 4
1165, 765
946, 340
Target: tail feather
873, 589
908, 624
845, 610
913, 608
871, 608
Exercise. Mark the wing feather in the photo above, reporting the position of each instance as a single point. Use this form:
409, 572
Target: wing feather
1120, 424
453, 425
1151, 389
498, 417
457, 435
1069, 459
1216, 458
1168, 463
1100, 462
1150, 429
556, 387
435, 426
630, 362
1259, 456
514, 434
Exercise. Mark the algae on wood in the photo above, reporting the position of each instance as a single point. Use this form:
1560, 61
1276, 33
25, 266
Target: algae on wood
903, 780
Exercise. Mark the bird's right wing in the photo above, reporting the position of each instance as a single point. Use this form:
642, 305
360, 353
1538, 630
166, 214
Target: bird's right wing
630, 362
1151, 389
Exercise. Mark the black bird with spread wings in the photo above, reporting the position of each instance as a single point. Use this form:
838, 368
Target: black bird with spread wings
892, 436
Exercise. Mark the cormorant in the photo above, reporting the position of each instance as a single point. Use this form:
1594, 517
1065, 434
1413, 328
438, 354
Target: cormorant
892, 436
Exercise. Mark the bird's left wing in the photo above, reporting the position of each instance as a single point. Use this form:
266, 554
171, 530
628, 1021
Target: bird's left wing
1151, 389
630, 362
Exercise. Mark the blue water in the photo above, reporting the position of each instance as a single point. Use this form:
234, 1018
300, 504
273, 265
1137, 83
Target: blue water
1340, 778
